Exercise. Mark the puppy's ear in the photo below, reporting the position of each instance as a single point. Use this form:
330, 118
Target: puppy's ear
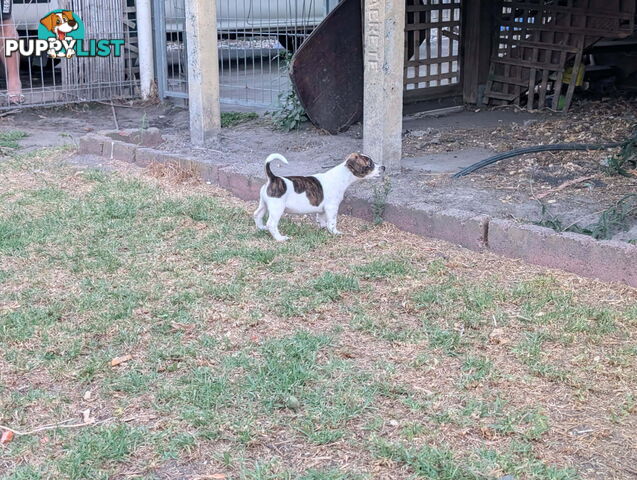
49, 21
358, 165
67, 15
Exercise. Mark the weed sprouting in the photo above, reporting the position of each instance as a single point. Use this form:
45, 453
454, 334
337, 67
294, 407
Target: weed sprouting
616, 165
289, 114
379, 200
616, 218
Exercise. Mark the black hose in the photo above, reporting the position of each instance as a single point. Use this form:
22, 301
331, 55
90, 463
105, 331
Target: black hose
539, 148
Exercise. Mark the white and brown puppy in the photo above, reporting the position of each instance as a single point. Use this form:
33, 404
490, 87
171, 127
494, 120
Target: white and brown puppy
321, 193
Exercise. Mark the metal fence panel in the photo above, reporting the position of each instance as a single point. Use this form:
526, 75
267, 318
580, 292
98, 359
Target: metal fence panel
48, 81
256, 37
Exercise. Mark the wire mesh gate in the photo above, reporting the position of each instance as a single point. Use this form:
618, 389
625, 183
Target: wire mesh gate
255, 37
38, 80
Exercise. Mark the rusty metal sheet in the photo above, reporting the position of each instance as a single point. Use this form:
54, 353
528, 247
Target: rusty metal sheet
327, 69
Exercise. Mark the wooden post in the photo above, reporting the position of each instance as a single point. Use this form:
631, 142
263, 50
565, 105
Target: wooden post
477, 34
384, 47
203, 70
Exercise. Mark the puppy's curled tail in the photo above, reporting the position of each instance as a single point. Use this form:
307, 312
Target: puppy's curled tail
274, 156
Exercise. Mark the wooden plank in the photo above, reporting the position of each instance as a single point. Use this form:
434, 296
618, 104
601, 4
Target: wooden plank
428, 8
430, 93
424, 26
608, 32
560, 75
523, 63
577, 65
470, 48
431, 61
542, 45
435, 77
509, 97
511, 80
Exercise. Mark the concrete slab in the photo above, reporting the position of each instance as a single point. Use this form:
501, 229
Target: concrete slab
469, 119
629, 236
447, 162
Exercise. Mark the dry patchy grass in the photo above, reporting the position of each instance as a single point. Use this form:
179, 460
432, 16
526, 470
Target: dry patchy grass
373, 355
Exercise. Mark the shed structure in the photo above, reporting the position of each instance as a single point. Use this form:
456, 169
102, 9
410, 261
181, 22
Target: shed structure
434, 53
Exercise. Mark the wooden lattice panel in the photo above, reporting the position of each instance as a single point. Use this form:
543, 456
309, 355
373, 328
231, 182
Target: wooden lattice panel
539, 40
432, 47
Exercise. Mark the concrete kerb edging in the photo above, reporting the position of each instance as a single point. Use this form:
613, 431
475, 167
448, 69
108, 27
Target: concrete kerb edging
605, 260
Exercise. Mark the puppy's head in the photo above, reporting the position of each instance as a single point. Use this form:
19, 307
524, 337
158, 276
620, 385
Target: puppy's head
362, 166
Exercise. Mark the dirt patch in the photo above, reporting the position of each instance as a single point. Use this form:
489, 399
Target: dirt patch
522, 188
519, 183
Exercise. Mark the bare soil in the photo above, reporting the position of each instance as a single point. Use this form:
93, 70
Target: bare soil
522, 188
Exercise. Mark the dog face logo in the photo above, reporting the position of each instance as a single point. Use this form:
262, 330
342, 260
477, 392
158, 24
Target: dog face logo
60, 24
61, 28
61, 34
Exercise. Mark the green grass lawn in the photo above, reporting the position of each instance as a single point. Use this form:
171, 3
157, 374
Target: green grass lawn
374, 355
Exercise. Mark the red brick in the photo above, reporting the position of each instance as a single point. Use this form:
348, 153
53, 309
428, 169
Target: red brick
122, 151
456, 226
146, 156
357, 207
92, 144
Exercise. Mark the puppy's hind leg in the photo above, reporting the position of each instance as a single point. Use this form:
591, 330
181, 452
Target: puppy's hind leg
275, 212
259, 213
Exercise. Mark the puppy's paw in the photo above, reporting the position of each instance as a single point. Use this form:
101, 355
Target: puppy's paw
282, 238
70, 53
336, 232
321, 222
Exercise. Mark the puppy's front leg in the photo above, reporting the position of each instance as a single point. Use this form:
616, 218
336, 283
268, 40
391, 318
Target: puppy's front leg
321, 219
330, 214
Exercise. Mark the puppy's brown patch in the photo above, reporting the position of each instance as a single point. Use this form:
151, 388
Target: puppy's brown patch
359, 165
276, 186
311, 186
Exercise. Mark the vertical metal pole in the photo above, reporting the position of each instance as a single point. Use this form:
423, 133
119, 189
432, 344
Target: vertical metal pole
203, 70
159, 11
145, 44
